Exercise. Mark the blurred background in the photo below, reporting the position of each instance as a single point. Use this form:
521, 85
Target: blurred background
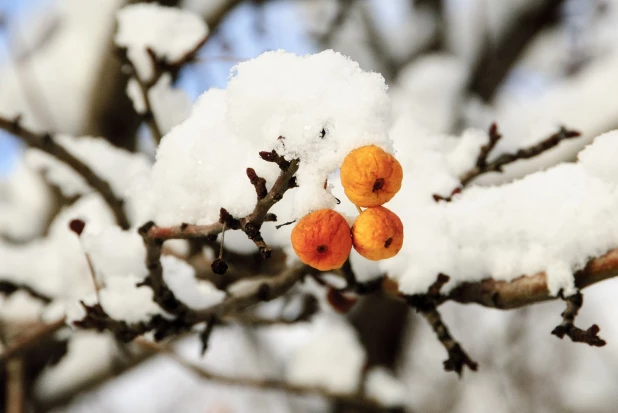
529, 65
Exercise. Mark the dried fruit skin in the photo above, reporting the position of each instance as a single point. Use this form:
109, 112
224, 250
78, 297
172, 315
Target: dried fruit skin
322, 239
377, 234
370, 176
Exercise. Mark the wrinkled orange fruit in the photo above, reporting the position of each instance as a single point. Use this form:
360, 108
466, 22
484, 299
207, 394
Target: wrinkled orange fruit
370, 176
322, 239
377, 233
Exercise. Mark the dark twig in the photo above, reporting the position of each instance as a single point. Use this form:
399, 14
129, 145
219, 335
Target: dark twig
426, 304
494, 137
483, 166
206, 333
46, 143
357, 400
591, 336
162, 294
97, 319
9, 287
497, 164
144, 88
258, 182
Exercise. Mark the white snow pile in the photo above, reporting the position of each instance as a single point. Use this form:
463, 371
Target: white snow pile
315, 108
331, 358
382, 386
171, 33
552, 221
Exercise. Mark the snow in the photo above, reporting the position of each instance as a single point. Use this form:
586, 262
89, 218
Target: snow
118, 259
82, 347
552, 221
25, 204
331, 358
275, 95
122, 300
382, 386
171, 33
429, 89
114, 252
180, 277
55, 265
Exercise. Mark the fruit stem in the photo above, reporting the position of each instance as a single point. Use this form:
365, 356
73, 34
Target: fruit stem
359, 209
222, 240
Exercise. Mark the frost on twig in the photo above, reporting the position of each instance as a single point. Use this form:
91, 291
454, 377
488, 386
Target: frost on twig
567, 327
427, 304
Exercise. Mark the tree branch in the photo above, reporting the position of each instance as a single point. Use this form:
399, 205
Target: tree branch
427, 305
567, 327
482, 166
357, 400
24, 342
15, 392
251, 224
46, 143
528, 290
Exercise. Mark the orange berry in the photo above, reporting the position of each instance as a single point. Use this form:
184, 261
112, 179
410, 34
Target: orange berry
370, 176
322, 239
377, 233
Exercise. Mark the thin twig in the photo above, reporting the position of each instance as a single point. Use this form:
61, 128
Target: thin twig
144, 88
496, 165
427, 304
9, 287
162, 294
567, 327
46, 143
263, 384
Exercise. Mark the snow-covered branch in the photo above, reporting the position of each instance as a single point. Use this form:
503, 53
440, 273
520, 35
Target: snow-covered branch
46, 143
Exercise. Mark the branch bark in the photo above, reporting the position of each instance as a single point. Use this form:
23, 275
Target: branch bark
533, 289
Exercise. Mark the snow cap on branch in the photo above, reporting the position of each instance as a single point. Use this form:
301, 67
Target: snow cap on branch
552, 221
316, 108
170, 33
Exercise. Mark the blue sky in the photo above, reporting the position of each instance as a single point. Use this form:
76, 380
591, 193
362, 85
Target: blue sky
283, 31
